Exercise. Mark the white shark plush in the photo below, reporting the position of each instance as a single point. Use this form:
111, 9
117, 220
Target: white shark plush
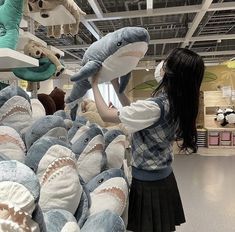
113, 56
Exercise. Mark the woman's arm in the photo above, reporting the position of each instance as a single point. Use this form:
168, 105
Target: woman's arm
125, 101
106, 113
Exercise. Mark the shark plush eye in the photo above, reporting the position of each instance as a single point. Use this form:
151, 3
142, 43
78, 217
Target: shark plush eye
119, 44
101, 180
86, 140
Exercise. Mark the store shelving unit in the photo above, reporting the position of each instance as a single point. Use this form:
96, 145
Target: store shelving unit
59, 16
25, 37
217, 136
202, 137
13, 59
221, 138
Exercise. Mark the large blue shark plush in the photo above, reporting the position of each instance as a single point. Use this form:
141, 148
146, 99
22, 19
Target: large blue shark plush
115, 55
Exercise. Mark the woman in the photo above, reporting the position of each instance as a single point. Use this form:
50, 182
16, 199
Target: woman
155, 123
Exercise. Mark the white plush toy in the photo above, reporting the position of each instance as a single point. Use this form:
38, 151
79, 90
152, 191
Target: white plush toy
37, 50
45, 6
229, 115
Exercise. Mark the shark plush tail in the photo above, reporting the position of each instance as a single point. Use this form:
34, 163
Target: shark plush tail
79, 90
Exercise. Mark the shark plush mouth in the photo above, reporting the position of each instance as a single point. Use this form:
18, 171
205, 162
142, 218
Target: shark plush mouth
19, 195
111, 195
58, 174
11, 144
8, 139
15, 106
9, 135
98, 147
14, 219
53, 169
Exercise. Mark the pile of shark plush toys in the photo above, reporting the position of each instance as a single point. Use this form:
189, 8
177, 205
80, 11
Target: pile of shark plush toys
58, 175
63, 175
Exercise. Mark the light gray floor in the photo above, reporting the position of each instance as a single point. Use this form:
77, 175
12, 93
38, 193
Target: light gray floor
207, 187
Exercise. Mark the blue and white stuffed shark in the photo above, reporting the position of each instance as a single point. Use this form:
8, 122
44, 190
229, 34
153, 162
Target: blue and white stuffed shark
113, 56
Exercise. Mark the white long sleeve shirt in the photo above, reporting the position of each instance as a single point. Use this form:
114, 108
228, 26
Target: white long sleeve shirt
139, 115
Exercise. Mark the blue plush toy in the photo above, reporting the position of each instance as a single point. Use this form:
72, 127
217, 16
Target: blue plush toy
44, 71
113, 56
10, 17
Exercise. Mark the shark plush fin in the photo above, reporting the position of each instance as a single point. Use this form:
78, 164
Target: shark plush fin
88, 70
124, 82
79, 90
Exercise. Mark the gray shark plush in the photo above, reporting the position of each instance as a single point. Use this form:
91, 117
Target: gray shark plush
115, 142
19, 195
113, 56
15, 108
58, 220
88, 145
55, 166
11, 144
43, 126
104, 221
103, 176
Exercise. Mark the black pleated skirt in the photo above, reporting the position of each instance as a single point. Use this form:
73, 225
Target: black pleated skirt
155, 206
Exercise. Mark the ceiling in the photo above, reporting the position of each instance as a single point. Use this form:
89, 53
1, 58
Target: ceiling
206, 27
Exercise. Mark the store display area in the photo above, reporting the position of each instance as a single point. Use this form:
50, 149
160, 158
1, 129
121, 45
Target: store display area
62, 166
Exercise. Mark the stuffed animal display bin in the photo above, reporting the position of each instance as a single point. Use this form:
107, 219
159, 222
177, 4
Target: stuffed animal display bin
114, 55
10, 17
44, 71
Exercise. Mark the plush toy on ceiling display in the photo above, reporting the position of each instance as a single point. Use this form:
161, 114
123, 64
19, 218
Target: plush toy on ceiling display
37, 50
45, 6
113, 56
10, 17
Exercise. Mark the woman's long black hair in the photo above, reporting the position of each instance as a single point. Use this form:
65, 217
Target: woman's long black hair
184, 70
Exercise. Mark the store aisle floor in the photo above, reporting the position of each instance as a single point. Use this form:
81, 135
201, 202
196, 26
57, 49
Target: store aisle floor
207, 187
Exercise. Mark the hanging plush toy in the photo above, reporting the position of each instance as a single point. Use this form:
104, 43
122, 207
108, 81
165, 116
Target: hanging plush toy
37, 50
45, 6
115, 55
10, 17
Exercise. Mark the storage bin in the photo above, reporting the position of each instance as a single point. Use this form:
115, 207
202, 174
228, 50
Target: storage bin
213, 133
225, 143
225, 136
213, 140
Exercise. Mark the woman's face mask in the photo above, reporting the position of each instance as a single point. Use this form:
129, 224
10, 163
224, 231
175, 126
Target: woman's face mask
158, 74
